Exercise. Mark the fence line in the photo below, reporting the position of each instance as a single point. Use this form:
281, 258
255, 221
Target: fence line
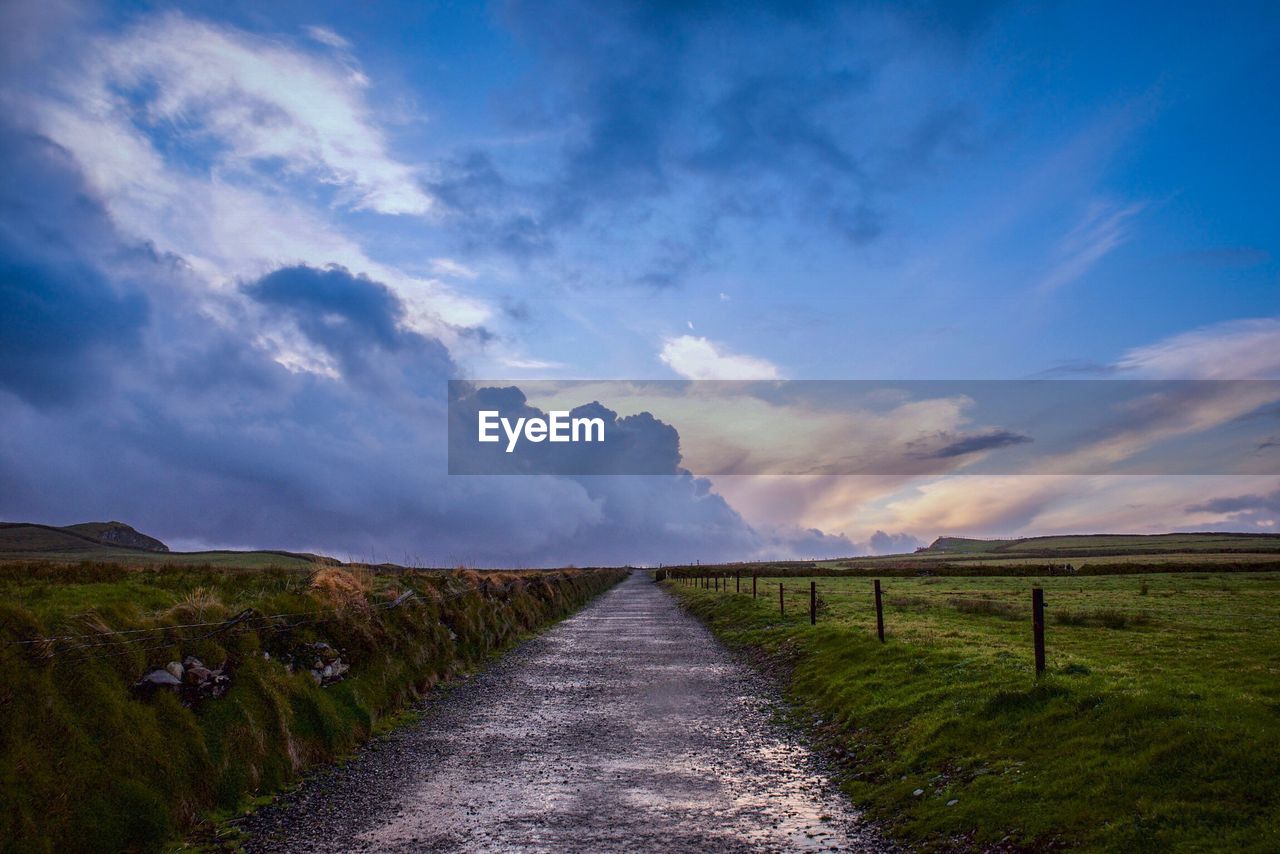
1038, 605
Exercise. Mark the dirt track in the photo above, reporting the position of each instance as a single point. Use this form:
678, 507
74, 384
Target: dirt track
626, 727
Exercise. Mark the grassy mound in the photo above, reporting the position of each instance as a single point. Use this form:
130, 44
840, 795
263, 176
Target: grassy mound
88, 764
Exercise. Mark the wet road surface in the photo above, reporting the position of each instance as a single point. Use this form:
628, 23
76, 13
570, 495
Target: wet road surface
627, 727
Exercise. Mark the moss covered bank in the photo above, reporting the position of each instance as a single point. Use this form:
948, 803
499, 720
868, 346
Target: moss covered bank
91, 760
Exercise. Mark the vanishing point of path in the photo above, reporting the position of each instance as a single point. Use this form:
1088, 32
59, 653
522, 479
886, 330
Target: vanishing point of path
627, 727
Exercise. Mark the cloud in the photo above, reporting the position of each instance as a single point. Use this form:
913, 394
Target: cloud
684, 125
1238, 350
486, 211
980, 504
943, 446
199, 431
697, 358
1239, 504
451, 267
328, 37
61, 317
254, 103
235, 153
882, 543
352, 318
1104, 227
56, 324
1256, 512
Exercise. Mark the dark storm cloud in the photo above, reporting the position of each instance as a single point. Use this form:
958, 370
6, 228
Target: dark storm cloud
61, 318
1267, 504
1242, 512
196, 433
950, 445
331, 305
676, 118
55, 327
882, 543
353, 318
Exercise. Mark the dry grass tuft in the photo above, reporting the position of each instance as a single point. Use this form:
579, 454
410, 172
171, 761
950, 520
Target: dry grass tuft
200, 599
342, 588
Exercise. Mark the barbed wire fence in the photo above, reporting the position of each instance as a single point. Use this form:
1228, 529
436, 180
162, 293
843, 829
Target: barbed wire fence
816, 599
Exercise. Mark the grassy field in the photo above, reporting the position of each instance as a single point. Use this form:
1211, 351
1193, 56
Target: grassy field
1156, 726
87, 764
1091, 554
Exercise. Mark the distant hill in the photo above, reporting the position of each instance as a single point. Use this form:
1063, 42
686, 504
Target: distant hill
85, 537
1082, 545
116, 541
118, 534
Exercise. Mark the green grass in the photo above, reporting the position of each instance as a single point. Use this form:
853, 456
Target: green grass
1155, 728
85, 765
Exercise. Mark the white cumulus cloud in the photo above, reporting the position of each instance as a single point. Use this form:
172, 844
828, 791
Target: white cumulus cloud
697, 358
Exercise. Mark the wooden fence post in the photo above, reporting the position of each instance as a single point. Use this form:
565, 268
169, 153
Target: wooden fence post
753, 585
737, 582
1037, 626
879, 614
813, 603
782, 603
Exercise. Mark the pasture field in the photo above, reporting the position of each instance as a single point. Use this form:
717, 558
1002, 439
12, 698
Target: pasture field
1193, 560
1090, 553
1155, 727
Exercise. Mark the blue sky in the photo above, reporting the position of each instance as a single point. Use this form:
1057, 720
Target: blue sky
609, 191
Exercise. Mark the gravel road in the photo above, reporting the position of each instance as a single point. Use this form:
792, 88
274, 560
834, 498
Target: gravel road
627, 727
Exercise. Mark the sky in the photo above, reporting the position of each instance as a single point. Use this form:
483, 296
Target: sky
244, 248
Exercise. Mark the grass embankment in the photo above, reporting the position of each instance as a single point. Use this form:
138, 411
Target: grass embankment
1156, 726
87, 765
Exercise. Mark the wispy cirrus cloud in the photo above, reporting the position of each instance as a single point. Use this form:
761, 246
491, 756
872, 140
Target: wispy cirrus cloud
326, 36
1103, 228
1238, 349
